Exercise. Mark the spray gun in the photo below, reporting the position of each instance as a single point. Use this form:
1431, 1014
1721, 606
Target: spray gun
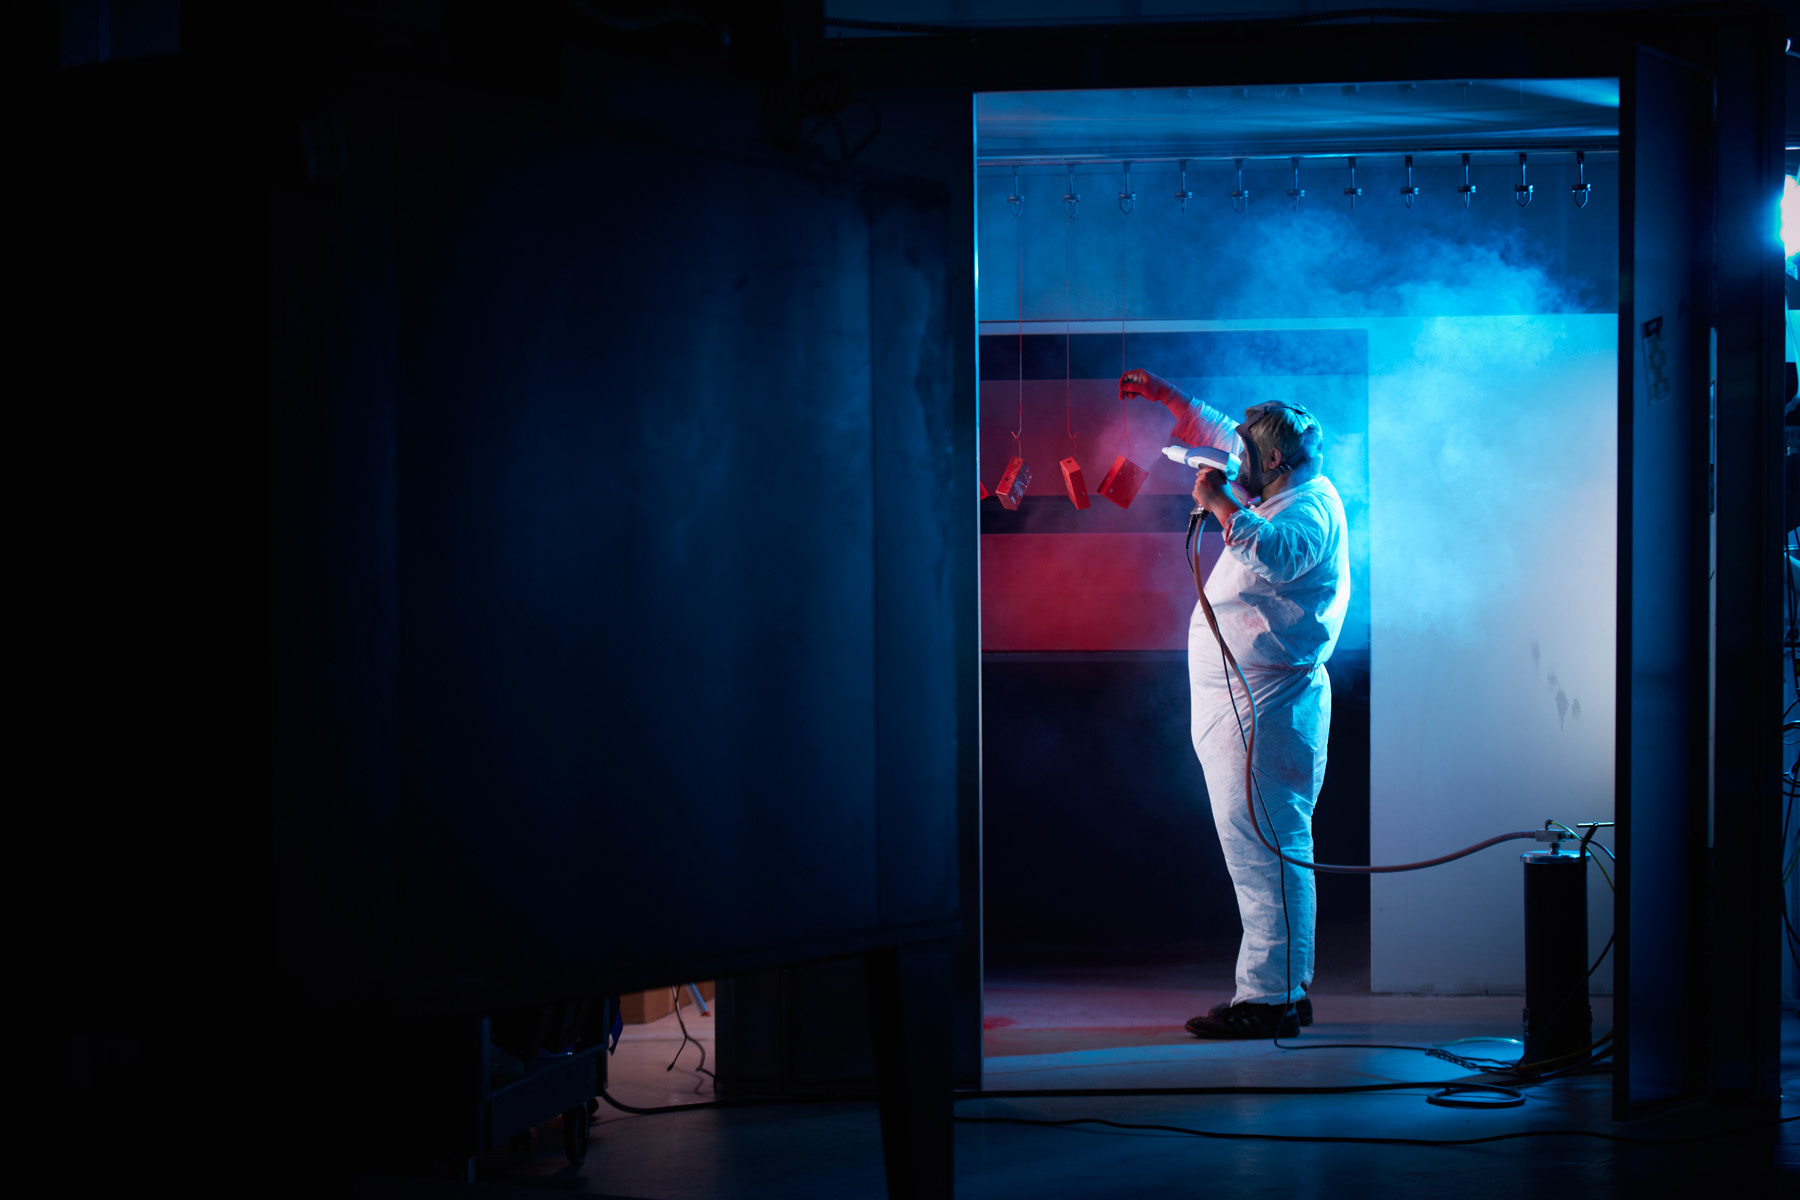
1204, 458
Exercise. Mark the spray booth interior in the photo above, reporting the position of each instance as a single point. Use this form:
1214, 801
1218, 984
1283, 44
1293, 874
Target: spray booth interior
1431, 269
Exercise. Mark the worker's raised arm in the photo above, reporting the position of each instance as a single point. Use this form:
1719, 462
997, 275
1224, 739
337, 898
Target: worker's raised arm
1196, 423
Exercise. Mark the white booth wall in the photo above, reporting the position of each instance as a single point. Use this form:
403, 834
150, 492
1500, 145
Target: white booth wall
1493, 479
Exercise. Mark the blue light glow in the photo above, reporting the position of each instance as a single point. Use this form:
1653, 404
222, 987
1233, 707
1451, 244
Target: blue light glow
1602, 93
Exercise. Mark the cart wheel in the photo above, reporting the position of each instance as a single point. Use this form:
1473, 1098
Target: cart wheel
575, 1134
593, 1107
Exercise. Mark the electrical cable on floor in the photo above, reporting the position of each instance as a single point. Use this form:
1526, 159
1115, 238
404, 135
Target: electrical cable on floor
705, 1104
1490, 1066
1486, 1065
1264, 1137
675, 994
768, 1100
1452, 1087
1344, 1089
1378, 1141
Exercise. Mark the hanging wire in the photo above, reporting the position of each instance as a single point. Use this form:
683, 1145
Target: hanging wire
1124, 419
1019, 251
1409, 193
1521, 189
1184, 195
1240, 199
1127, 201
1296, 193
1016, 201
1353, 191
1068, 357
1467, 190
1072, 198
1581, 188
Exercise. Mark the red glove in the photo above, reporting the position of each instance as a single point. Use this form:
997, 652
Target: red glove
1139, 382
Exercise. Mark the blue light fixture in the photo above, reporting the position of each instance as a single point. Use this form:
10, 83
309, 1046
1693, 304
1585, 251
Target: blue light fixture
1790, 217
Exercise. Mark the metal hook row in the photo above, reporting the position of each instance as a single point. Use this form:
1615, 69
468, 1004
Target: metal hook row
1581, 191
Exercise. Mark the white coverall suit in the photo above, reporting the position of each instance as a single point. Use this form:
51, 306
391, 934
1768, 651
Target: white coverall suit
1279, 592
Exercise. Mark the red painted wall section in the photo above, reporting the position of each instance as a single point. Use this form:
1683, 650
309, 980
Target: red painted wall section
1112, 591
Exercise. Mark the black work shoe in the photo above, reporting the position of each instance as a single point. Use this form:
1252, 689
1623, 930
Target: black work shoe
1302, 1006
1247, 1020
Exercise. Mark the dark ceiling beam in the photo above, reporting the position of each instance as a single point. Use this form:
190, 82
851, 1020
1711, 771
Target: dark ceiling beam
1223, 53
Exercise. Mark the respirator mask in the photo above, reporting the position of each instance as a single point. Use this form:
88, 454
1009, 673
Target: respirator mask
1255, 478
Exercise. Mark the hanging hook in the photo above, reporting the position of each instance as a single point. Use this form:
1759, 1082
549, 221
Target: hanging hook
1127, 198
1184, 195
1353, 191
1409, 193
1580, 190
1016, 202
1240, 199
1521, 189
1072, 201
1296, 193
1467, 190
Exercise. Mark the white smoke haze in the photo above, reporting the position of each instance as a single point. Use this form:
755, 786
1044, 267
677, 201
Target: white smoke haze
1272, 262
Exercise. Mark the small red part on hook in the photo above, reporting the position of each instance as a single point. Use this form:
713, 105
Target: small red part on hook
1077, 487
1013, 482
1122, 483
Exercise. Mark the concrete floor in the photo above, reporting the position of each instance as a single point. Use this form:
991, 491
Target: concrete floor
1121, 1027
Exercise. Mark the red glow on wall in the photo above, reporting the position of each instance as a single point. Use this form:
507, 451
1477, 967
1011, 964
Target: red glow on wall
1110, 591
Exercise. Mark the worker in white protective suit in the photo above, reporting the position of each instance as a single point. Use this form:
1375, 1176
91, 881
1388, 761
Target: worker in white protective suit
1279, 591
